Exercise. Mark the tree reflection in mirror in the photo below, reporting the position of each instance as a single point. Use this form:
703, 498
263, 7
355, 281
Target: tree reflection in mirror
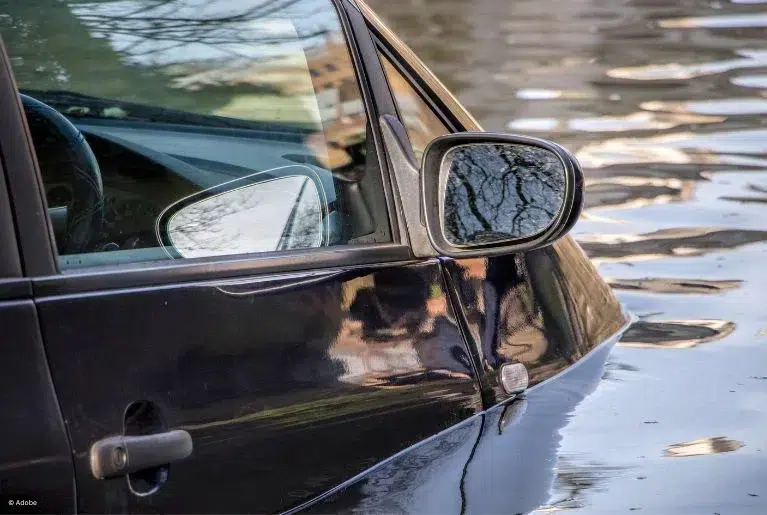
279, 214
500, 192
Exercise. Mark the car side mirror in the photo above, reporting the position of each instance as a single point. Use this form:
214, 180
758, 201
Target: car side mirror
487, 194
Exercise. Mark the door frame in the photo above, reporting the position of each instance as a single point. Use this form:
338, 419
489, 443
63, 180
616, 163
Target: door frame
12, 283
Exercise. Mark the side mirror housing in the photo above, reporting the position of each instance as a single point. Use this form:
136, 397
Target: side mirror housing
279, 209
488, 194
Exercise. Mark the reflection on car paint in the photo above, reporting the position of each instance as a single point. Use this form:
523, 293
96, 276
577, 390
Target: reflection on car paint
427, 479
331, 376
523, 309
521, 460
510, 449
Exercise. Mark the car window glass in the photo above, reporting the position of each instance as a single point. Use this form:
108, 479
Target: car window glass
421, 123
170, 129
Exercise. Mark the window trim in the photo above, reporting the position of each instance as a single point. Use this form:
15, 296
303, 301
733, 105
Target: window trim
150, 274
425, 81
10, 263
38, 248
431, 99
33, 227
399, 68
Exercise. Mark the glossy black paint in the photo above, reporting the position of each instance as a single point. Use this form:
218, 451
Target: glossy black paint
498, 462
288, 387
546, 308
553, 302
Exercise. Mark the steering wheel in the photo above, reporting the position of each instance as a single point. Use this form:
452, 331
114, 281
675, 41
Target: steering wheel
63, 153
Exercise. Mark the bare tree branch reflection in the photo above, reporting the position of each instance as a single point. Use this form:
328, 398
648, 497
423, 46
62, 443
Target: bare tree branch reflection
497, 192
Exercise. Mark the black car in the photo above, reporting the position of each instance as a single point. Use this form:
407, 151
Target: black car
254, 257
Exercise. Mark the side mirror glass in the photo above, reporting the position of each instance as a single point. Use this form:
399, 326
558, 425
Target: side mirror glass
250, 215
487, 194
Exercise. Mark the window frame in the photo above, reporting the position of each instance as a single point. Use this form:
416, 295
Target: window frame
387, 53
427, 96
38, 249
443, 103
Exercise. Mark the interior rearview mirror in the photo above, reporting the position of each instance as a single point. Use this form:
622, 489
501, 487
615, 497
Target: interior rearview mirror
260, 213
487, 194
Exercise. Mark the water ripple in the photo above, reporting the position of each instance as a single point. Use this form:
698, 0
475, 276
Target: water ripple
731, 21
750, 58
702, 447
675, 334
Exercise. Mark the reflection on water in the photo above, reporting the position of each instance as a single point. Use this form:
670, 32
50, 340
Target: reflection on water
631, 122
750, 81
711, 445
671, 285
678, 334
730, 106
717, 22
666, 243
664, 104
573, 480
747, 58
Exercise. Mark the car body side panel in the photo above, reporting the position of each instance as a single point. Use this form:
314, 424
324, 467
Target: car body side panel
502, 461
289, 385
35, 460
546, 309
428, 478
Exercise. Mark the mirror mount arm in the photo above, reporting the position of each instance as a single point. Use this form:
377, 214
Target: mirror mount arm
406, 176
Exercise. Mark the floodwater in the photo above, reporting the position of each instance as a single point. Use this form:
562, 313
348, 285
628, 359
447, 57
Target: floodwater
665, 105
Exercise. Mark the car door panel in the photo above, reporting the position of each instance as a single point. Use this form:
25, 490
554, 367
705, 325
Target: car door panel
429, 478
36, 473
501, 461
288, 386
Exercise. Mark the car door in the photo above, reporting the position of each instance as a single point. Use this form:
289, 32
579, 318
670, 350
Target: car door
199, 370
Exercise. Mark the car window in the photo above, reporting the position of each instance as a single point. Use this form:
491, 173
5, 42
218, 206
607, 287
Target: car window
421, 123
171, 129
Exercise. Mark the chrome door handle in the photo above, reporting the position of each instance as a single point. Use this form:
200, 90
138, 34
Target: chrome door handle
120, 455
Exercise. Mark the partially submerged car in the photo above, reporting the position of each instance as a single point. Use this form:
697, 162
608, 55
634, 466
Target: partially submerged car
254, 257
